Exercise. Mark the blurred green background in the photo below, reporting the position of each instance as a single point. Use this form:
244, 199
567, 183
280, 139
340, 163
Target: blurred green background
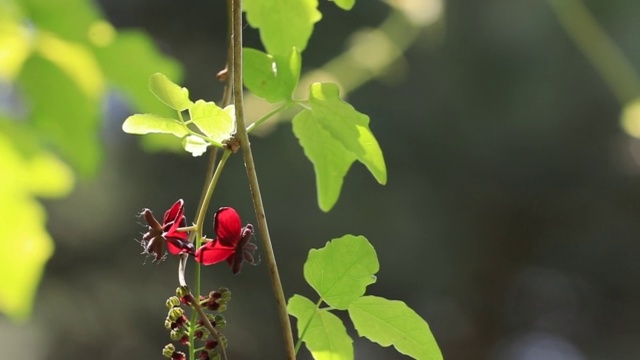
509, 221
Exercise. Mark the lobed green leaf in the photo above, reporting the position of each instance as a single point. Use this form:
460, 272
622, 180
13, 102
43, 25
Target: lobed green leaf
341, 271
169, 93
141, 124
216, 123
283, 24
333, 134
392, 322
271, 78
323, 333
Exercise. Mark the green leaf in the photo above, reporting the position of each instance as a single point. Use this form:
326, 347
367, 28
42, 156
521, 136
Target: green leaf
29, 243
273, 79
331, 161
195, 145
348, 126
63, 113
141, 124
169, 93
15, 41
345, 136
324, 333
283, 24
341, 271
392, 322
345, 4
55, 16
216, 123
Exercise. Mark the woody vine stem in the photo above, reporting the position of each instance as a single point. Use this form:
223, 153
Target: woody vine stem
243, 137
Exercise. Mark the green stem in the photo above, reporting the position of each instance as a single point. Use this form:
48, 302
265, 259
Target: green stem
207, 195
202, 210
599, 48
306, 326
243, 137
268, 115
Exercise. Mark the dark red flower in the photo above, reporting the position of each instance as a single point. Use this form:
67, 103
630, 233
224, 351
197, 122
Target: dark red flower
232, 242
158, 235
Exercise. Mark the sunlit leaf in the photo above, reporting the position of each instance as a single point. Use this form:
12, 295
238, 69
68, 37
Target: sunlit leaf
48, 176
345, 4
391, 322
141, 124
25, 238
341, 271
283, 24
15, 44
63, 113
69, 19
348, 126
331, 161
216, 123
273, 79
169, 93
75, 60
324, 333
195, 145
333, 134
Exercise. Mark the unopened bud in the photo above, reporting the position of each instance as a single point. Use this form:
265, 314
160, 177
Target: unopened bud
220, 321
168, 351
225, 294
182, 291
177, 334
172, 302
175, 314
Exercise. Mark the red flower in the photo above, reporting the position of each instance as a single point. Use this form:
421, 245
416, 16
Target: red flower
153, 240
231, 244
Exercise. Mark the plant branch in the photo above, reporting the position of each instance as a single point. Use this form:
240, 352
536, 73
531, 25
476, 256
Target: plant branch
243, 137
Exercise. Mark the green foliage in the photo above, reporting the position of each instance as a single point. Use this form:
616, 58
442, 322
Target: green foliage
283, 24
392, 322
58, 102
214, 125
327, 338
28, 172
334, 135
62, 65
273, 79
174, 96
340, 273
141, 124
345, 4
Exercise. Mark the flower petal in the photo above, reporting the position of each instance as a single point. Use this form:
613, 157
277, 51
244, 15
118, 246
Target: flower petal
214, 252
173, 232
176, 246
227, 226
176, 211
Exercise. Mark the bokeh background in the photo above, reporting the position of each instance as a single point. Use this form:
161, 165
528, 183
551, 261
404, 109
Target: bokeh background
510, 220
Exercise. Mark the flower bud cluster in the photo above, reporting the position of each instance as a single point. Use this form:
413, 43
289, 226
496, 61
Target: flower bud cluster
178, 324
